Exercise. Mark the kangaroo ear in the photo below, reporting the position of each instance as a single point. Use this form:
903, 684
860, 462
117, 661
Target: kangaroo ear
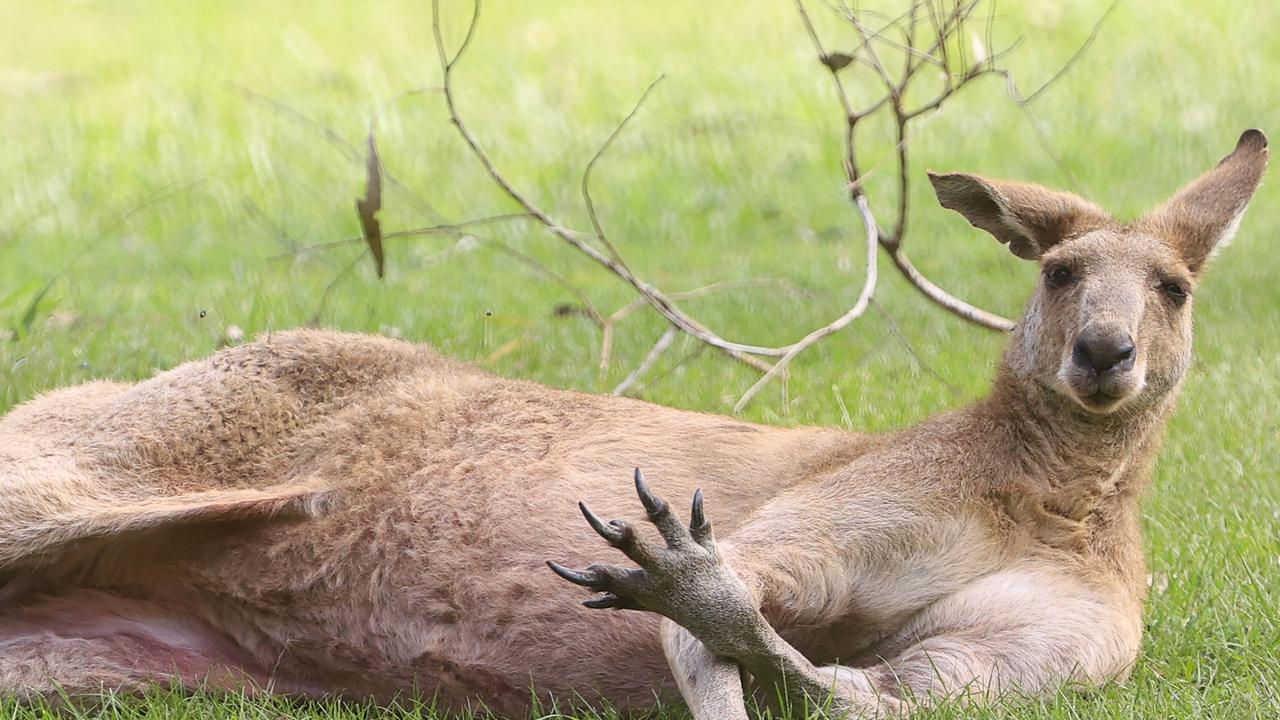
1203, 216
1028, 218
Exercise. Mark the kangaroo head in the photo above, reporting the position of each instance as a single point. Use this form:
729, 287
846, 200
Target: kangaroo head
1109, 325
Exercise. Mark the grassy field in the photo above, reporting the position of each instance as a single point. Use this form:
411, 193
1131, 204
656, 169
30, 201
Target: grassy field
150, 200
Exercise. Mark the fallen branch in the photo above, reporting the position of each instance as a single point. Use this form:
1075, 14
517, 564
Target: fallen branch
937, 47
664, 305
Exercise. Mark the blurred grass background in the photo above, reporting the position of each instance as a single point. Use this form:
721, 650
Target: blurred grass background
147, 193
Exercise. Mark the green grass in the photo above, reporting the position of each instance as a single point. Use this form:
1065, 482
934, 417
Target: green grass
143, 197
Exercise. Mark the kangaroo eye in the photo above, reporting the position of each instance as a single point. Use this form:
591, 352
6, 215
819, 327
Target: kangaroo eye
1059, 276
1174, 291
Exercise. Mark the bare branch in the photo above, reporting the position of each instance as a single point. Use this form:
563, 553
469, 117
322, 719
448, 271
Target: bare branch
442, 229
908, 32
333, 284
896, 332
892, 241
591, 164
659, 302
859, 307
343, 145
1024, 101
466, 40
611, 322
282, 235
454, 229
664, 342
675, 366
865, 36
941, 25
835, 77
1075, 57
705, 290
954, 305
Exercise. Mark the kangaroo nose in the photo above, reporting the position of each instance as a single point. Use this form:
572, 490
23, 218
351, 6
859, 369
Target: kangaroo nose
1101, 350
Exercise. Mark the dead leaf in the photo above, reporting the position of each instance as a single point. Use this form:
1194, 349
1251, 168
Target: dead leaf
836, 60
368, 206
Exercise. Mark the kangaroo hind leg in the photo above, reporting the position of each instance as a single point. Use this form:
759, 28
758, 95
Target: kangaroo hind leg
85, 642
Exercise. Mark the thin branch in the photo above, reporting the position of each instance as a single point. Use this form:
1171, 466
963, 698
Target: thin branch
1042, 134
442, 229
454, 229
611, 322
546, 272
893, 243
591, 164
865, 35
466, 40
835, 77
675, 366
907, 45
282, 235
333, 285
955, 86
341, 144
952, 304
859, 307
660, 347
386, 104
1024, 101
1093, 35
705, 290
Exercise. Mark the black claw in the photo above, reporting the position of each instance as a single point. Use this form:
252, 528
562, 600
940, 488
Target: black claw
577, 577
696, 518
653, 504
608, 600
613, 532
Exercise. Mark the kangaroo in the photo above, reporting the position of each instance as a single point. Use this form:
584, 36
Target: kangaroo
320, 514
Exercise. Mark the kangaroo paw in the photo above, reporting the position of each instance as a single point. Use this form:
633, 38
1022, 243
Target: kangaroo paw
685, 580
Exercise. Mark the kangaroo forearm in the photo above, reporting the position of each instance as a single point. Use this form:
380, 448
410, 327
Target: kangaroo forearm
758, 648
774, 663
715, 594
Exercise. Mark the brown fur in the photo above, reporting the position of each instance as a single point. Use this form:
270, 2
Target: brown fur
322, 513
